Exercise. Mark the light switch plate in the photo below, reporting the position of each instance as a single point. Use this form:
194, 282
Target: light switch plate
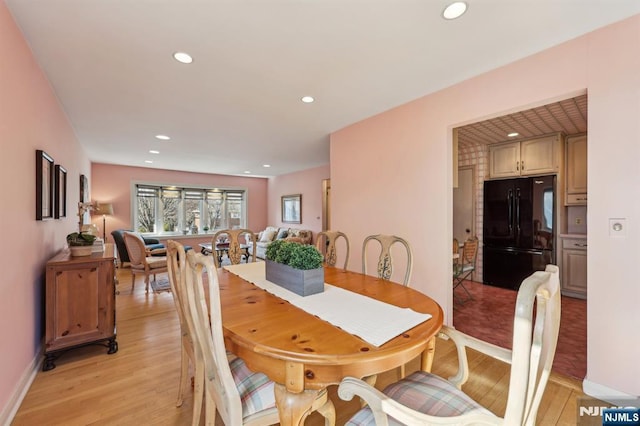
617, 227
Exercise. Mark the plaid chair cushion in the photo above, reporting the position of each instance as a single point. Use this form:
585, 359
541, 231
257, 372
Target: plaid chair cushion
256, 390
426, 393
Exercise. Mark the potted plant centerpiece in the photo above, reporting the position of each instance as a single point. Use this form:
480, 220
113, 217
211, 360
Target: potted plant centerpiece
80, 243
294, 266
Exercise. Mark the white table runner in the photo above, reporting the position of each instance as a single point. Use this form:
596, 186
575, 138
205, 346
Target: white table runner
374, 321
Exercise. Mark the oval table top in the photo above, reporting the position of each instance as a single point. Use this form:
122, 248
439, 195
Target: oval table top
303, 352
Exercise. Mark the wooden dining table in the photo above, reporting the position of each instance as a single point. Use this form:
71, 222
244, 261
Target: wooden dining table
304, 354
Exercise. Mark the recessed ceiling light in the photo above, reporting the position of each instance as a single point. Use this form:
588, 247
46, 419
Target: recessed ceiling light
182, 57
163, 137
307, 99
153, 151
247, 172
266, 165
148, 161
454, 10
513, 134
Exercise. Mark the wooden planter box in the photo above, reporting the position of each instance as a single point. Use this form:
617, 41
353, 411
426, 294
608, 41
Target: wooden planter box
302, 282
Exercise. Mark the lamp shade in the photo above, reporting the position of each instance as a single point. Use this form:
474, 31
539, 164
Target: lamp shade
102, 209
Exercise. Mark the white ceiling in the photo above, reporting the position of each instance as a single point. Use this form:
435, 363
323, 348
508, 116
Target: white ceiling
238, 106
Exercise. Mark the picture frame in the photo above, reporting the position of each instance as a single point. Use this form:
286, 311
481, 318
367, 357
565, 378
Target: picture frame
60, 191
84, 189
44, 186
292, 208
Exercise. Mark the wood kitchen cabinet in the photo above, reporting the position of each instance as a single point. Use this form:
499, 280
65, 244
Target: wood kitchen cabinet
576, 171
574, 267
525, 158
80, 303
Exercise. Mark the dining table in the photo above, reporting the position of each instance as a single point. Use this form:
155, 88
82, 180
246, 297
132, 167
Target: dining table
304, 354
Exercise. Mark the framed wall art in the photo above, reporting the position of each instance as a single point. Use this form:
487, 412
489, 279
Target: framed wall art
44, 186
60, 191
292, 208
84, 189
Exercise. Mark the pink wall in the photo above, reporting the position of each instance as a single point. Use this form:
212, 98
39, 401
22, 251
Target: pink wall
392, 173
30, 119
111, 183
309, 184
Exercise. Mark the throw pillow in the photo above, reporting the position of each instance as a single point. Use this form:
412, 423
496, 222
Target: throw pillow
293, 232
267, 236
282, 233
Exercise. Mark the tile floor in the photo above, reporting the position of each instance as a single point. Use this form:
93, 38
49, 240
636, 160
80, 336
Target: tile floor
489, 316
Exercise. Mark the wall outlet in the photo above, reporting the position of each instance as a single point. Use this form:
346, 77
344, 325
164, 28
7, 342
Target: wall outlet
578, 220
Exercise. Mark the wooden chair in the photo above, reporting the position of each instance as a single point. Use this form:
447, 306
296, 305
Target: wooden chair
142, 261
176, 263
385, 264
326, 243
385, 269
241, 396
464, 268
424, 398
234, 251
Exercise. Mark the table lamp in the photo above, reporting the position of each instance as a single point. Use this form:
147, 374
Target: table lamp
103, 209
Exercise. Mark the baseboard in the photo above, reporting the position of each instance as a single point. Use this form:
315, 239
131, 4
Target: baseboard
29, 374
609, 395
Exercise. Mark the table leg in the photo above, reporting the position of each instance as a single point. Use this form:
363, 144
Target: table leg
428, 354
294, 407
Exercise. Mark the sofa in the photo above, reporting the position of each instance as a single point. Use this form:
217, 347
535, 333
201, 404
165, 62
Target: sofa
271, 233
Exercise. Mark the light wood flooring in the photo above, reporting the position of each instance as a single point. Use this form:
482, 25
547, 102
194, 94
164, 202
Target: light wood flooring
138, 384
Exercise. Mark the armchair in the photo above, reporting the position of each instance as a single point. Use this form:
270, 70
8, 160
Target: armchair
424, 398
152, 245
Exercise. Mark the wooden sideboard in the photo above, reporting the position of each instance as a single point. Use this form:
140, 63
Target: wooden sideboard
80, 304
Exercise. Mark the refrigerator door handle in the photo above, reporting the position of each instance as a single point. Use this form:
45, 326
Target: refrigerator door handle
518, 211
510, 204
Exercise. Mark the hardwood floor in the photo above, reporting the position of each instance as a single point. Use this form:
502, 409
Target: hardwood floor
138, 384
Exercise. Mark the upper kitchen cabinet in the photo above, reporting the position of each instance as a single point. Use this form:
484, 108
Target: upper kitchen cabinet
576, 171
524, 158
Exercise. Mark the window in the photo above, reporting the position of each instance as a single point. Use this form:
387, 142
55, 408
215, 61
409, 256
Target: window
176, 210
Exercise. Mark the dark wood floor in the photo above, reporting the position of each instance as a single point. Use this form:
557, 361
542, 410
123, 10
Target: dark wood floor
489, 316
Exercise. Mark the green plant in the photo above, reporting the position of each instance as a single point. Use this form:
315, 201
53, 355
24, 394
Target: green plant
80, 239
296, 255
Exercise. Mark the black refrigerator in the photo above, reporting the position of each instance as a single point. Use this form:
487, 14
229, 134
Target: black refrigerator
519, 229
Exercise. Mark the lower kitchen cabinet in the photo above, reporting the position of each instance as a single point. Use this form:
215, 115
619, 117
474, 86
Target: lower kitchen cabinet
574, 267
80, 303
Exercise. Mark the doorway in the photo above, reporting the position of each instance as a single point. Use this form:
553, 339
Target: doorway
464, 204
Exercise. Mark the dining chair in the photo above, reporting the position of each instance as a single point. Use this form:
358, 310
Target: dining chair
385, 264
142, 260
424, 398
464, 268
176, 263
235, 251
242, 397
326, 243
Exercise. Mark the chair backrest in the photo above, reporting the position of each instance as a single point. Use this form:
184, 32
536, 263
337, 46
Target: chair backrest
176, 265
385, 263
235, 251
326, 243
534, 344
209, 338
135, 248
470, 251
